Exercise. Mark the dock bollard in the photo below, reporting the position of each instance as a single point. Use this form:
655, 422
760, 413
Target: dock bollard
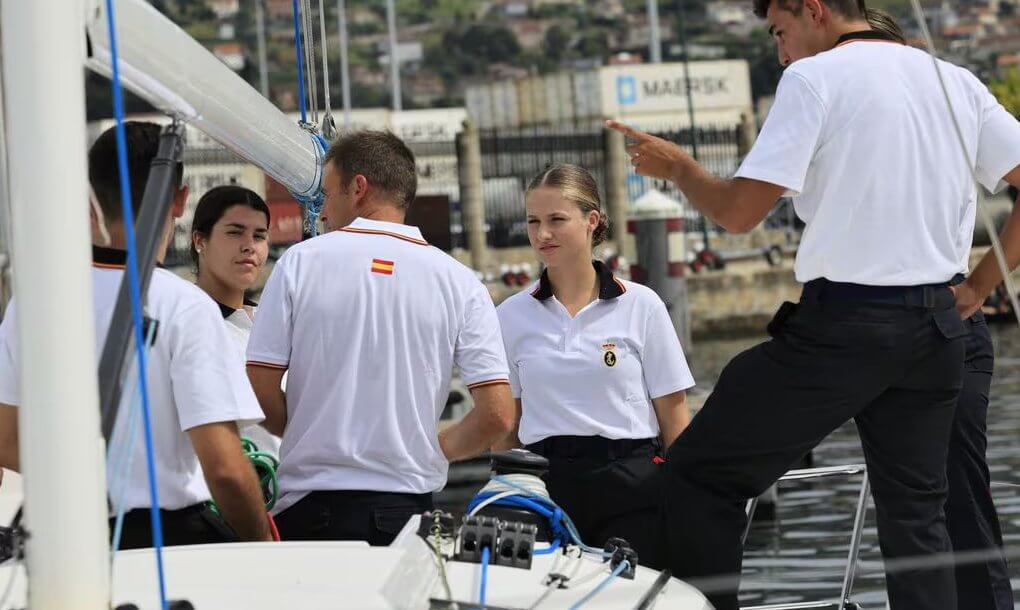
657, 225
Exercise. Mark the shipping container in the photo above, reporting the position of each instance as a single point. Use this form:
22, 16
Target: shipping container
647, 88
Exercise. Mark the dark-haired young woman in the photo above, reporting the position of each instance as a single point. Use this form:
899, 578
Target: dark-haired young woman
229, 246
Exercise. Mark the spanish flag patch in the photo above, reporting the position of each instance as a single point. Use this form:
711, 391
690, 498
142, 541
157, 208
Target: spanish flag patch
381, 266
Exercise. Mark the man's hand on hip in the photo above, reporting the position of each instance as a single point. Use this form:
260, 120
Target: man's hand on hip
968, 301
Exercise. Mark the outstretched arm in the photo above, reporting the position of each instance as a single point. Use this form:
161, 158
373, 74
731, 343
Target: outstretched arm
737, 204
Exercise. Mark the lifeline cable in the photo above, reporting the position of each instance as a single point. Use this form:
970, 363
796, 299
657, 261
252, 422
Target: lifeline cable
325, 61
1000, 255
300, 67
309, 46
120, 464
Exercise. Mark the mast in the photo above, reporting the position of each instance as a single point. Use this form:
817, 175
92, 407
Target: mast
61, 448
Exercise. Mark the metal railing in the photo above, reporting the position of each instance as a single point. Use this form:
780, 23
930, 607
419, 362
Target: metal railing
843, 602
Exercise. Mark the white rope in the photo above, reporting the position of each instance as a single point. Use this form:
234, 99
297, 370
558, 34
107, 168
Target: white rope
325, 64
1000, 256
601, 569
553, 580
313, 86
505, 484
498, 496
532, 487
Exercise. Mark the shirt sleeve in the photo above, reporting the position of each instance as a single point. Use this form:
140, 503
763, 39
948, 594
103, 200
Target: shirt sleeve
662, 358
10, 389
271, 335
789, 138
515, 379
479, 351
998, 150
207, 377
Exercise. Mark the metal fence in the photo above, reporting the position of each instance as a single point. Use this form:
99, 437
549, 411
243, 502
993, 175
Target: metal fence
511, 157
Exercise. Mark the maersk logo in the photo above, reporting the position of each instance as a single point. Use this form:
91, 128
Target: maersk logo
626, 90
677, 87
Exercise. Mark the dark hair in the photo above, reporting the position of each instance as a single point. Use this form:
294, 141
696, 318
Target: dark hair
883, 22
215, 203
380, 157
847, 8
104, 176
577, 185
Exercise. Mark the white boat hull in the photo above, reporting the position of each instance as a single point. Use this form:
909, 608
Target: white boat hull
321, 575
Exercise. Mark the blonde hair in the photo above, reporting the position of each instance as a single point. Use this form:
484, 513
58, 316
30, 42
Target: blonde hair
576, 185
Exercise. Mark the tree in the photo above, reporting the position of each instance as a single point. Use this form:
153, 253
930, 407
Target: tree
468, 51
1007, 91
556, 42
187, 12
593, 44
489, 42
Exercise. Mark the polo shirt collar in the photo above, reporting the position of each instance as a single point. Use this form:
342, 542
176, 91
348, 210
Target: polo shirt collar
865, 35
227, 310
386, 227
111, 258
609, 287
108, 257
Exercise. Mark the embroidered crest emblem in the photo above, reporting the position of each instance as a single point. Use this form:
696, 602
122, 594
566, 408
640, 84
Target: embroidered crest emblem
608, 355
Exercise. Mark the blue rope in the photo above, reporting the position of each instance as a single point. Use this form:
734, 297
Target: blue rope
300, 65
602, 585
563, 528
485, 575
313, 202
136, 299
549, 549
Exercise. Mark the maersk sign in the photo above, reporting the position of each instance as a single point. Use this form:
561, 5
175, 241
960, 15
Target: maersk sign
645, 88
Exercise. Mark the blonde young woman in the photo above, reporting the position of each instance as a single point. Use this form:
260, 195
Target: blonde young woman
596, 368
229, 246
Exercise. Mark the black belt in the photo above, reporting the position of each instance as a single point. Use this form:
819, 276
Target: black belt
169, 512
589, 446
928, 296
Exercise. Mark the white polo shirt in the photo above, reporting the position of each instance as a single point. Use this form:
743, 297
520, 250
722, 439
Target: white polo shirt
594, 374
862, 138
369, 322
238, 323
194, 378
